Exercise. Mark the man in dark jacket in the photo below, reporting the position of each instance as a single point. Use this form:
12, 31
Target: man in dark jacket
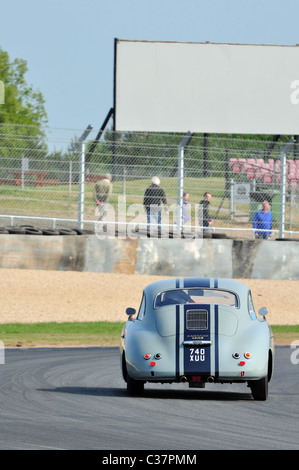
204, 212
154, 196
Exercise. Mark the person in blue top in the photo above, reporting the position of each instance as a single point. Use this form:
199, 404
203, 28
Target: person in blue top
262, 222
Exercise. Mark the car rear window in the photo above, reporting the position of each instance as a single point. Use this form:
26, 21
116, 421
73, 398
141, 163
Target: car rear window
196, 296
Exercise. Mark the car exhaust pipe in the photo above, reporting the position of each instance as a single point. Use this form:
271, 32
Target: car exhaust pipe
210, 379
183, 378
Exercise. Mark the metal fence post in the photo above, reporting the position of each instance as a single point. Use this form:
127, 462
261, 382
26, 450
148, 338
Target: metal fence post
232, 199
81, 187
82, 178
283, 187
181, 151
180, 186
70, 177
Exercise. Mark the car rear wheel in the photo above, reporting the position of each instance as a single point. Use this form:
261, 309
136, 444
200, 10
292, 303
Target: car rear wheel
134, 387
259, 389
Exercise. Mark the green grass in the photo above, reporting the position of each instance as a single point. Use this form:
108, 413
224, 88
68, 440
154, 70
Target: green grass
285, 334
92, 334
61, 334
34, 199
61, 201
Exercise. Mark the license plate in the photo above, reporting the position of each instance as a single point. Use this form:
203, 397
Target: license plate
197, 355
197, 360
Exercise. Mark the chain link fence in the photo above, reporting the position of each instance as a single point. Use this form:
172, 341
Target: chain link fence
47, 180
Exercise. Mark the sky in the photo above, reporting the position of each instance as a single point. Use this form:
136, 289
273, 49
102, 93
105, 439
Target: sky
69, 44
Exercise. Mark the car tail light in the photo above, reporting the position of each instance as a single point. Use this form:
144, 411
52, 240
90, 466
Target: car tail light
152, 363
147, 356
247, 355
242, 363
196, 378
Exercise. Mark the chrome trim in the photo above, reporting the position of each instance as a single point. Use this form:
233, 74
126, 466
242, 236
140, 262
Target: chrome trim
197, 342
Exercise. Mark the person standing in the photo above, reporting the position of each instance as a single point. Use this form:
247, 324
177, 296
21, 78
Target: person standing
102, 193
204, 218
186, 217
154, 196
262, 222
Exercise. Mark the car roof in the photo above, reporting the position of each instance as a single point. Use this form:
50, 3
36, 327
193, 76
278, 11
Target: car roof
187, 283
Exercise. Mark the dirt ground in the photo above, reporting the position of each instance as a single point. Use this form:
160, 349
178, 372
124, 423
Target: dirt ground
29, 296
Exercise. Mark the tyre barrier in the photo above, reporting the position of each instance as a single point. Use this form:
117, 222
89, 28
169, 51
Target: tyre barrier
31, 230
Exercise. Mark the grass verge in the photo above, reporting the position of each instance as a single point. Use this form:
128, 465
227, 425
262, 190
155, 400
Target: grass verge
92, 334
285, 334
61, 334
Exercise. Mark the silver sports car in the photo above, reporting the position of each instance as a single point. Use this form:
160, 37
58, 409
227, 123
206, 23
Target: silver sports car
197, 331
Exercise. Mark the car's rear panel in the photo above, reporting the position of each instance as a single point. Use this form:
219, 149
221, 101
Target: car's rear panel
198, 342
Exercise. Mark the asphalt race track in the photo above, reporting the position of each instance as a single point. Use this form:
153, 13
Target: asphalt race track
75, 398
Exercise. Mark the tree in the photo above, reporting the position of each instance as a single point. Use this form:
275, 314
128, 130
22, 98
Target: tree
22, 113
22, 104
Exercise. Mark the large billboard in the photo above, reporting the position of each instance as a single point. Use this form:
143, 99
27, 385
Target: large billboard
206, 87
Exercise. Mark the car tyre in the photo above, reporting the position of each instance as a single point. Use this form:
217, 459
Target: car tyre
33, 231
66, 231
82, 231
15, 229
134, 387
259, 389
50, 231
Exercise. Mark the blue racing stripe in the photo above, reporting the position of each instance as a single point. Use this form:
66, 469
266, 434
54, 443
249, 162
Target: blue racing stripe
197, 282
216, 342
177, 341
197, 359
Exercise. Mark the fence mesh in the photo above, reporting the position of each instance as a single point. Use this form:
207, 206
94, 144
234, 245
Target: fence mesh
41, 179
